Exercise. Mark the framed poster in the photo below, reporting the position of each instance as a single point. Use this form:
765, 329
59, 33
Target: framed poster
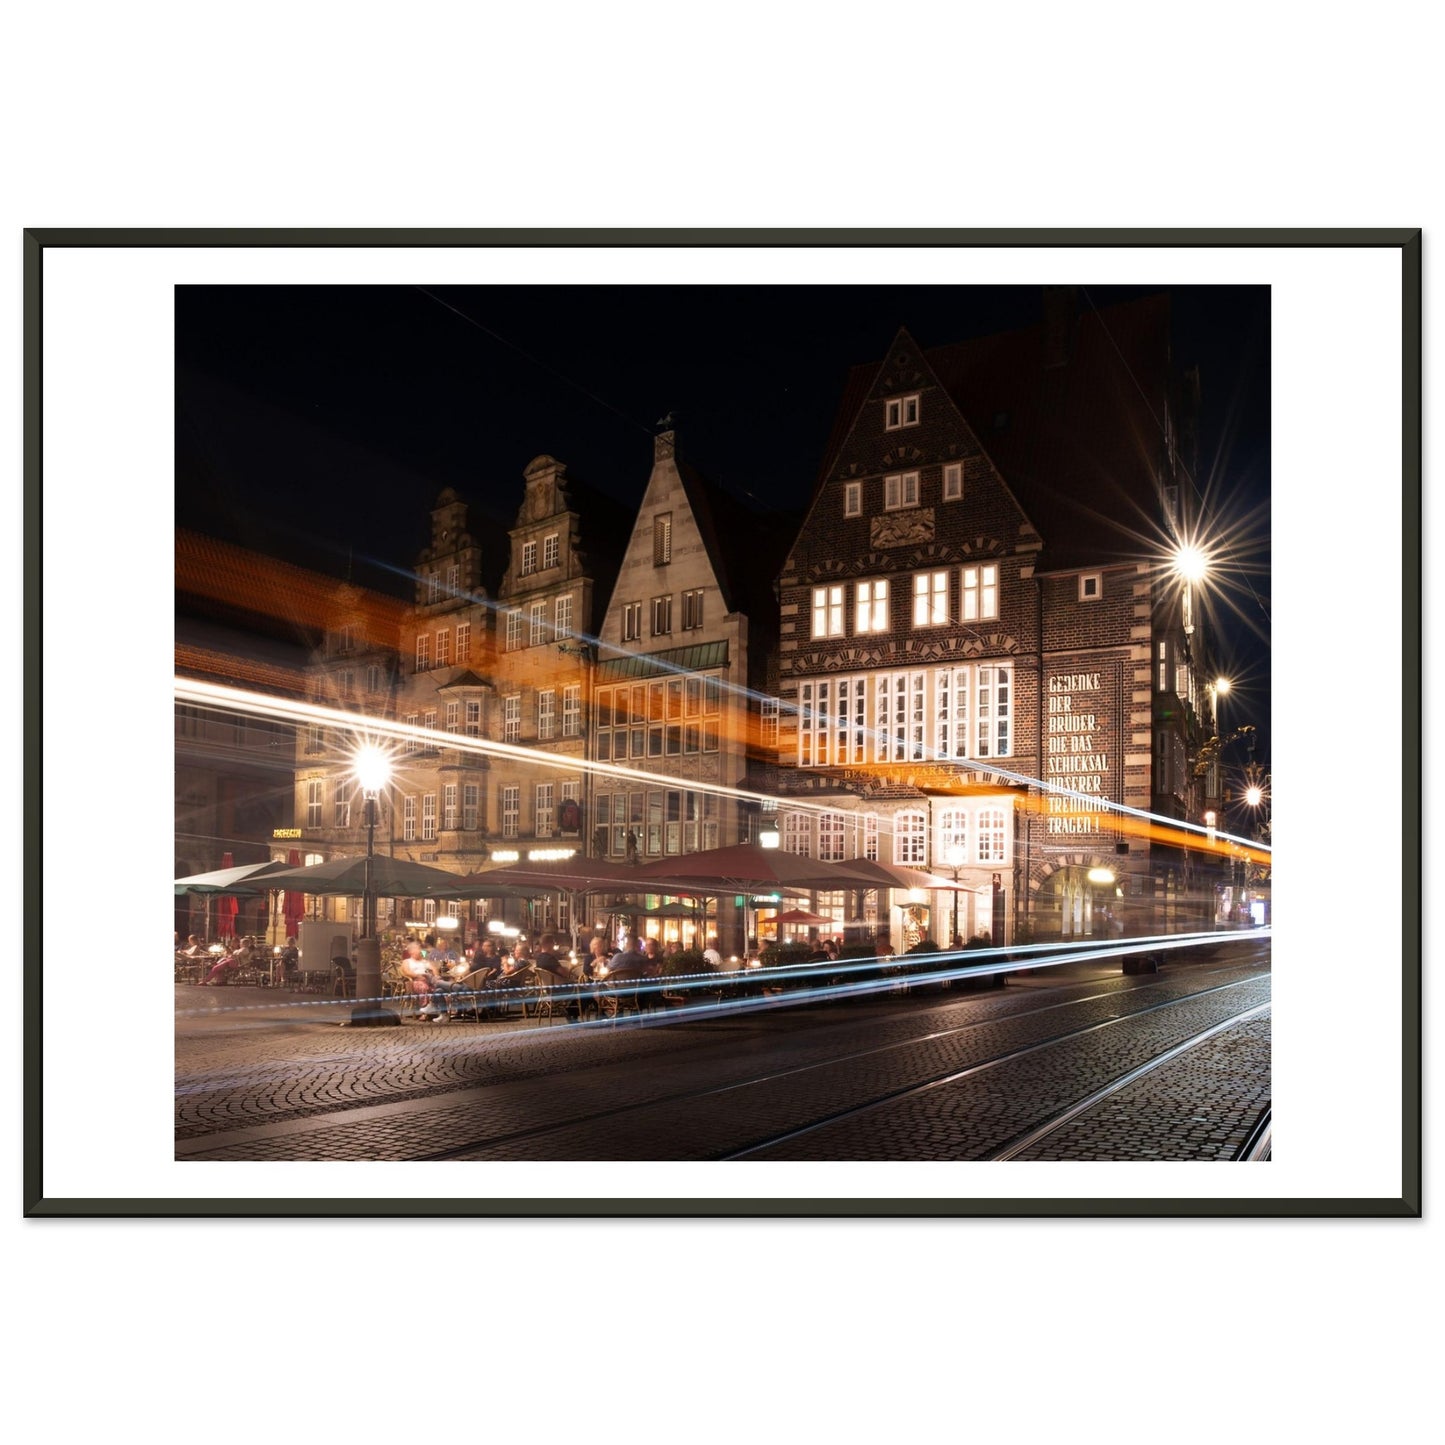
968, 675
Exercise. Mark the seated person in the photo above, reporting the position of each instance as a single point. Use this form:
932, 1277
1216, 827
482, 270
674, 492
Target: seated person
421, 979
554, 968
231, 963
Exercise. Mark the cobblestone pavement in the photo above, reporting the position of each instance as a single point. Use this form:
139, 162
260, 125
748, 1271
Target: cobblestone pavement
284, 1082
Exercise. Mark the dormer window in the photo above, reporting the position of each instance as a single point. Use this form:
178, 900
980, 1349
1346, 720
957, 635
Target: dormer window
900, 411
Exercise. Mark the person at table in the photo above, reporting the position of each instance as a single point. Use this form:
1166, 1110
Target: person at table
230, 963
625, 964
596, 958
711, 956
194, 948
422, 980
484, 959
550, 961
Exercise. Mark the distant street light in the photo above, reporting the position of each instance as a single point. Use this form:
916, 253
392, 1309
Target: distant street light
768, 835
371, 767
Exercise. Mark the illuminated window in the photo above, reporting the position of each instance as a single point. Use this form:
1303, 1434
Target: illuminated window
798, 834
953, 482
980, 592
900, 490
828, 611
952, 833
770, 713
830, 837
871, 606
853, 499
930, 599
994, 711
992, 835
549, 550
899, 411
910, 838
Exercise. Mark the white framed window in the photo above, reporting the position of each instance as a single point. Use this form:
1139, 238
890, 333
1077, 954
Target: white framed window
853, 499
464, 641
537, 631
471, 805
454, 717
444, 647
428, 817
346, 682
994, 711
550, 550
511, 810
546, 713
514, 629
433, 587
632, 622
832, 717
950, 710
341, 812
930, 599
562, 616
992, 830
899, 411
474, 717
662, 540
692, 609
870, 610
529, 558
572, 711
408, 818
953, 482
449, 806
830, 837
952, 834
413, 743
910, 838
828, 611
771, 715
345, 638
546, 814
901, 717
869, 828
313, 803
798, 834
423, 651
1091, 586
661, 616
512, 718
454, 580
900, 490
373, 678
429, 722
980, 592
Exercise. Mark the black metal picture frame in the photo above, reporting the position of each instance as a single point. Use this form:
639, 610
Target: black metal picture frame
40, 513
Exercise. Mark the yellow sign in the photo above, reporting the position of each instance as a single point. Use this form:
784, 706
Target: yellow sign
285, 832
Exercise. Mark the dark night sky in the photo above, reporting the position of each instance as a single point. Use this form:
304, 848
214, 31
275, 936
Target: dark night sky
319, 423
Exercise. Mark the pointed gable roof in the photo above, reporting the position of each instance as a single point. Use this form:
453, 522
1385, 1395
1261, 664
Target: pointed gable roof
1071, 416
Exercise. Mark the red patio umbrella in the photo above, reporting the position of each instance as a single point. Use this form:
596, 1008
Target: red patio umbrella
294, 904
228, 908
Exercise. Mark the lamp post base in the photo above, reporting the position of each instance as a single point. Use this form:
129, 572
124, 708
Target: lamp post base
368, 1014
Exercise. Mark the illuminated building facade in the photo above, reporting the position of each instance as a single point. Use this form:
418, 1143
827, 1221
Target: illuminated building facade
979, 596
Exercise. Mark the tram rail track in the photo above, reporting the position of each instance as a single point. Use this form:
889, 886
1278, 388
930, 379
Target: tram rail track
481, 1146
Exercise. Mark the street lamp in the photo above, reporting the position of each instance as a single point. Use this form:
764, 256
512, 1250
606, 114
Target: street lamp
371, 767
768, 835
1191, 563
954, 858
